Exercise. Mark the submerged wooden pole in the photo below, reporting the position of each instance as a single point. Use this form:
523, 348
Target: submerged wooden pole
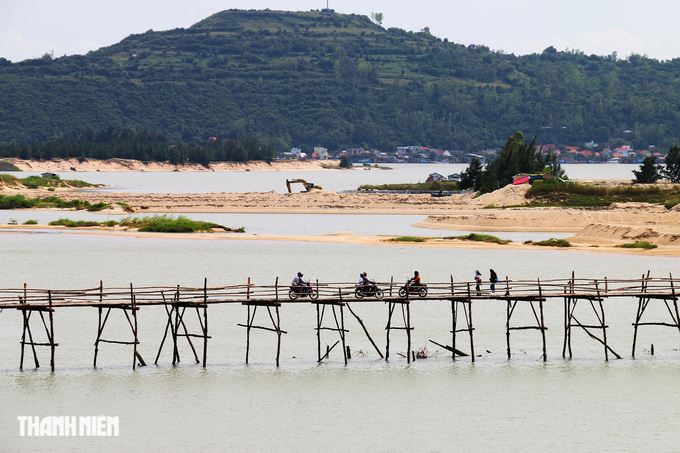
248, 326
390, 310
23, 340
134, 314
604, 324
640, 309
408, 331
278, 333
205, 321
342, 333
542, 326
507, 326
318, 332
52, 345
453, 328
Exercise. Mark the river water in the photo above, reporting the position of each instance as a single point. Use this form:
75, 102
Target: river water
433, 404
370, 405
252, 181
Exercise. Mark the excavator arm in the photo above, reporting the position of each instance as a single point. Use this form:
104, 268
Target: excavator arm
308, 185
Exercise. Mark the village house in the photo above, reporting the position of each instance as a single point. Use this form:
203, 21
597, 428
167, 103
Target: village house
320, 153
443, 154
435, 177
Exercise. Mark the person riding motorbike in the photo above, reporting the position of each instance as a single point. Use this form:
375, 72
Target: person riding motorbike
364, 280
415, 281
414, 286
299, 284
367, 288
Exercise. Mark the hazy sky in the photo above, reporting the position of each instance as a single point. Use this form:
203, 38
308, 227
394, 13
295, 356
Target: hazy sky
29, 28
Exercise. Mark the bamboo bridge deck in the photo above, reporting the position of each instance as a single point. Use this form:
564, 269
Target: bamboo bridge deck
332, 298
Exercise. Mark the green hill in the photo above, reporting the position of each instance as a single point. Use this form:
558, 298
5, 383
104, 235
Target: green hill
313, 78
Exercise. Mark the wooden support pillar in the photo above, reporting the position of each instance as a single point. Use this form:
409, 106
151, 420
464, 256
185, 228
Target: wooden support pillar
571, 321
542, 321
642, 305
390, 311
468, 320
132, 306
406, 315
204, 325
454, 316
50, 334
645, 298
319, 319
568, 292
339, 326
408, 331
134, 328
248, 327
509, 310
27, 311
538, 316
278, 333
465, 301
274, 318
175, 309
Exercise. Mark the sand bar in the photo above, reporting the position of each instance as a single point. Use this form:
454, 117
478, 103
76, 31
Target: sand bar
617, 224
73, 164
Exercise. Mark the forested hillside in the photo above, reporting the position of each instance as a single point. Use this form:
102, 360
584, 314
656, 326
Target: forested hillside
320, 79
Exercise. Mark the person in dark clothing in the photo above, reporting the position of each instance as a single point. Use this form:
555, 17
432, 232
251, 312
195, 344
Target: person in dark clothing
493, 279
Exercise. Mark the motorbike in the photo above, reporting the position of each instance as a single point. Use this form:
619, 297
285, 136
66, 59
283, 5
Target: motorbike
303, 291
370, 290
420, 290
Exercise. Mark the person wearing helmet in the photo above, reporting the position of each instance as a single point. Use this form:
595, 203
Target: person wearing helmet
415, 281
299, 281
364, 279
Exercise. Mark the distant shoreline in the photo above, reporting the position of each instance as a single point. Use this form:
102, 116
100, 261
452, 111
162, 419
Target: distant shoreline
75, 165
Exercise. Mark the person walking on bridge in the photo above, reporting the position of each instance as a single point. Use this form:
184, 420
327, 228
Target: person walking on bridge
478, 283
493, 279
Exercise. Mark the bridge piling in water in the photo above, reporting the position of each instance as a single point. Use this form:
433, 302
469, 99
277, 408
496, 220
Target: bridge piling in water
175, 313
26, 311
132, 306
538, 316
339, 326
643, 301
406, 315
571, 300
583, 299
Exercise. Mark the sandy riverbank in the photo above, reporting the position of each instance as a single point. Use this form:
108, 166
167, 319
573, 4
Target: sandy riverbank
314, 202
617, 224
64, 165
351, 238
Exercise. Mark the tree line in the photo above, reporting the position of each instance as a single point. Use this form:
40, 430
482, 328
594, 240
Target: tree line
145, 145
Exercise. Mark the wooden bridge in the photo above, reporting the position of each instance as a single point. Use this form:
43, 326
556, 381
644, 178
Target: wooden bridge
330, 300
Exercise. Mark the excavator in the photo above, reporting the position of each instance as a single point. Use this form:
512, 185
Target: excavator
308, 185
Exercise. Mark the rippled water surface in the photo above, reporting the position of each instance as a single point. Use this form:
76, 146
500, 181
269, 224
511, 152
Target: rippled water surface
434, 404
